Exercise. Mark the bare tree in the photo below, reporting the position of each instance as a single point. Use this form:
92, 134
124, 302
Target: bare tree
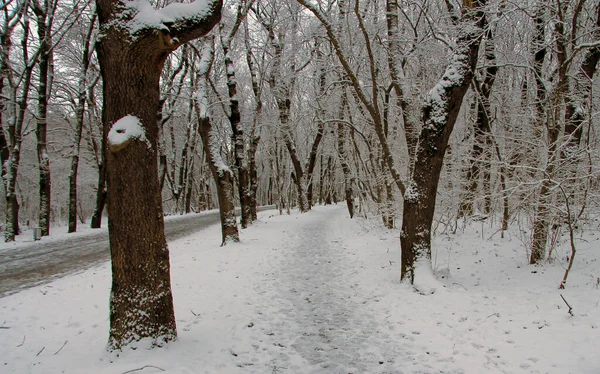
79, 104
132, 52
440, 111
222, 174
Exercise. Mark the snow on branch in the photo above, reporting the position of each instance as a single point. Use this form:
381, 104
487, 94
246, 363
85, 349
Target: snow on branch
124, 131
182, 21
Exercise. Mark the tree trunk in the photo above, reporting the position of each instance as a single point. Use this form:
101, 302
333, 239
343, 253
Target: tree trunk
237, 138
141, 303
17, 110
440, 111
79, 114
222, 175
44, 29
224, 181
101, 191
553, 128
341, 145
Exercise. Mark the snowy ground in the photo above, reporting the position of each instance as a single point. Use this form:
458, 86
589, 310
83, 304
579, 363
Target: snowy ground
319, 293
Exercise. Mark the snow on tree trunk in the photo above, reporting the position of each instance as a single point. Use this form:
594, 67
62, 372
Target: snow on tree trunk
44, 15
440, 111
134, 44
222, 174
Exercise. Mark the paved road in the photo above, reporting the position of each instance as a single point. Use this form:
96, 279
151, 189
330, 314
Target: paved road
43, 262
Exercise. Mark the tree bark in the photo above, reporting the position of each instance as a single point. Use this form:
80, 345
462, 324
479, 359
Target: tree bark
45, 16
222, 175
18, 106
131, 60
440, 111
79, 115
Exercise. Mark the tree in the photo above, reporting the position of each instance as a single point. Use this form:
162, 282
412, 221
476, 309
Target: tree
135, 42
237, 133
222, 174
79, 105
440, 112
17, 105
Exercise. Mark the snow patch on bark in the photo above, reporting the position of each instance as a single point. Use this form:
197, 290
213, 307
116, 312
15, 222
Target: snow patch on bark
146, 17
124, 131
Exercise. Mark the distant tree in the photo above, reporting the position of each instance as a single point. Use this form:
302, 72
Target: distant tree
18, 84
134, 44
79, 104
222, 174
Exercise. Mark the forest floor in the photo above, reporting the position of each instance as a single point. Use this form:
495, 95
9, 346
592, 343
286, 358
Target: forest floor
320, 293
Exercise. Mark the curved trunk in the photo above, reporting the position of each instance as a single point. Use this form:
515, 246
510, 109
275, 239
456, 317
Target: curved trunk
440, 111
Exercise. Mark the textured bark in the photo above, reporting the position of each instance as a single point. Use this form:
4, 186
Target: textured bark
237, 138
237, 133
141, 303
7, 145
224, 181
343, 154
79, 115
222, 175
17, 108
439, 116
44, 29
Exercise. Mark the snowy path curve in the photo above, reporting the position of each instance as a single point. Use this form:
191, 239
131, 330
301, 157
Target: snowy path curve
315, 308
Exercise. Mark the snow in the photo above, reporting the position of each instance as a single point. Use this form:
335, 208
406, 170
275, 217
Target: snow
146, 17
125, 130
320, 293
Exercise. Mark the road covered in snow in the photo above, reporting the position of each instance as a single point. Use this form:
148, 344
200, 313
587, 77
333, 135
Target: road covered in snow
319, 293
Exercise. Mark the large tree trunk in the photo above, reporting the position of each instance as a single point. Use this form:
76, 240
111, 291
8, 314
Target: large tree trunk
141, 303
440, 111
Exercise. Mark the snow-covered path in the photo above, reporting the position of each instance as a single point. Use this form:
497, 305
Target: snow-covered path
318, 293
316, 306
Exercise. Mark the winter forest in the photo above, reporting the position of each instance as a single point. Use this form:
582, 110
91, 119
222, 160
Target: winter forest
426, 118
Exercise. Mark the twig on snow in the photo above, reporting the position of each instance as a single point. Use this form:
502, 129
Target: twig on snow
65, 343
41, 350
142, 368
23, 342
570, 308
